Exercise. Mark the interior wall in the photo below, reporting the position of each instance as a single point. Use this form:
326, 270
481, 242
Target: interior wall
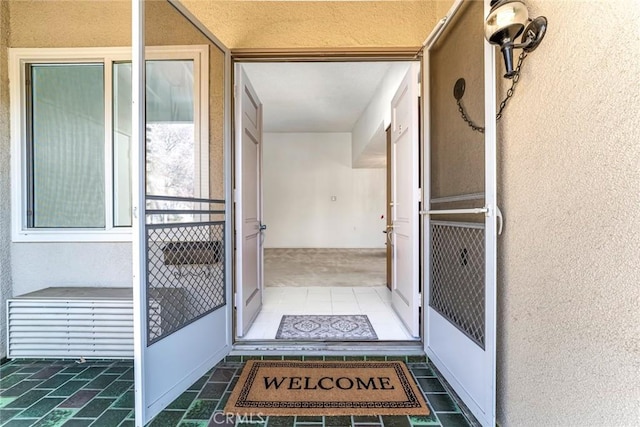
569, 174
301, 173
5, 186
369, 137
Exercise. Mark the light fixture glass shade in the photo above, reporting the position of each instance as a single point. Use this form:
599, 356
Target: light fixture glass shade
505, 21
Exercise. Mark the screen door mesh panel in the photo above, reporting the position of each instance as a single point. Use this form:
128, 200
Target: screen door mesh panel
457, 276
185, 275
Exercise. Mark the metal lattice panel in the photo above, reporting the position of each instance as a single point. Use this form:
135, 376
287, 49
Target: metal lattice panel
185, 275
457, 276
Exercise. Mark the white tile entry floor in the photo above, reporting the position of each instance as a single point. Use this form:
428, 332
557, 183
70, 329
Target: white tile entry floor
375, 302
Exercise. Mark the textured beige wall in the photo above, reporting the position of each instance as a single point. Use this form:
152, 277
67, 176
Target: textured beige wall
296, 24
569, 174
442, 8
74, 23
5, 189
239, 24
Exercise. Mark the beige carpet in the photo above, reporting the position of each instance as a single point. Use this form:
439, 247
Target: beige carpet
325, 267
326, 388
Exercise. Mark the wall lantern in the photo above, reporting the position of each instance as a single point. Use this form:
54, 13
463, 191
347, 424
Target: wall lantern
507, 20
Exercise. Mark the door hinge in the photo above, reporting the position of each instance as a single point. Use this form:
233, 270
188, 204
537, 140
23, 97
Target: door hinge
420, 195
235, 195
235, 299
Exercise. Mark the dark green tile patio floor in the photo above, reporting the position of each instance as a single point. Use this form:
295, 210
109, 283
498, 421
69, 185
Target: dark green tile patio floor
54, 393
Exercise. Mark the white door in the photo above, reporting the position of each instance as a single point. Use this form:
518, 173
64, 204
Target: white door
248, 203
460, 229
405, 293
181, 280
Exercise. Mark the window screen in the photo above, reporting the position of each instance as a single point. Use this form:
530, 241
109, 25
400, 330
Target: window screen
122, 132
66, 146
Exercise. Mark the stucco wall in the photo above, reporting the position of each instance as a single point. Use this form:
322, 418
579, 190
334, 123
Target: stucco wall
569, 178
295, 24
39, 265
5, 189
76, 23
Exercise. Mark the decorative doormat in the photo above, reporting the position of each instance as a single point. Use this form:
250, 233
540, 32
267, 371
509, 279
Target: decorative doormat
273, 387
326, 327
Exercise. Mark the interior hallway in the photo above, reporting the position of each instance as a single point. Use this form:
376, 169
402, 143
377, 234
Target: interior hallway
375, 302
324, 267
326, 281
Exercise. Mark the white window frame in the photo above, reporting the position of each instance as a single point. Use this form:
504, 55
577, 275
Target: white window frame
20, 57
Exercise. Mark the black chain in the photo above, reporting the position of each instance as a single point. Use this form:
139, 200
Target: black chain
503, 104
516, 77
467, 119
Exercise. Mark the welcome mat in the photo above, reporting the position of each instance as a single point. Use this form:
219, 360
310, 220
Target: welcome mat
269, 387
326, 327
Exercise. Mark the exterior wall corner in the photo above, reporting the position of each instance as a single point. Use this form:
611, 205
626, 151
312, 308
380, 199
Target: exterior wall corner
5, 184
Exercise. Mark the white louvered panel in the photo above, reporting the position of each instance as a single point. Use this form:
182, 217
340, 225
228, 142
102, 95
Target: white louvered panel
73, 328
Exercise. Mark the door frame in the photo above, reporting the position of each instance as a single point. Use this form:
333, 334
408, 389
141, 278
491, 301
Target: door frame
279, 55
257, 55
406, 223
243, 56
388, 213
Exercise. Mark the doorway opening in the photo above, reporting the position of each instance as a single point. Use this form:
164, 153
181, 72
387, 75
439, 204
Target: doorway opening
314, 190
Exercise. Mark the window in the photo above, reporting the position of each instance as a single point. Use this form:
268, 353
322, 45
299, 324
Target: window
65, 137
72, 137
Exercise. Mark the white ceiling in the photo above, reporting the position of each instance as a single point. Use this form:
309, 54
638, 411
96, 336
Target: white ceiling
314, 97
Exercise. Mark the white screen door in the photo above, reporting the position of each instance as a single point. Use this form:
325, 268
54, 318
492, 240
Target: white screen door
460, 230
405, 295
248, 203
181, 286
